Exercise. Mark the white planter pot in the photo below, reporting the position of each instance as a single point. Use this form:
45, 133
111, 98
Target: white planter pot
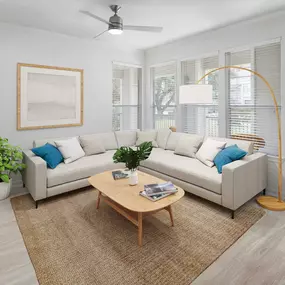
134, 178
5, 189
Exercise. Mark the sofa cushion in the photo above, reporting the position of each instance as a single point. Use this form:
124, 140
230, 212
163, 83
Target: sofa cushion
42, 142
147, 136
92, 144
187, 169
244, 145
162, 137
209, 149
126, 138
82, 168
173, 140
228, 155
50, 154
109, 140
70, 149
188, 145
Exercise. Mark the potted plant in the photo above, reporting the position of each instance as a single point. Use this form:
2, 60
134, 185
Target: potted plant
10, 162
132, 158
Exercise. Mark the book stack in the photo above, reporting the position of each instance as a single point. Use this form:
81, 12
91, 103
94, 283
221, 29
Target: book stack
155, 192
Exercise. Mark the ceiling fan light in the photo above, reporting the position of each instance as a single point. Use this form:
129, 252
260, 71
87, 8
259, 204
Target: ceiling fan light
115, 31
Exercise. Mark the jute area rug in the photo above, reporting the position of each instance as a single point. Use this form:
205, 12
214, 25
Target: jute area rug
70, 242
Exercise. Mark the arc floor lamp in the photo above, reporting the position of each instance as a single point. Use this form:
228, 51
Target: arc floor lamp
200, 93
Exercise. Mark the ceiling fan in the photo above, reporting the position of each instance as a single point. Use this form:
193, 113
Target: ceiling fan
115, 23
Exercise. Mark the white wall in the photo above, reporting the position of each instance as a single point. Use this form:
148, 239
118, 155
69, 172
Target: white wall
244, 34
18, 44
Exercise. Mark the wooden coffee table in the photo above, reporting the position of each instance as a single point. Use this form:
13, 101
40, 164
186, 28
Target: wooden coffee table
125, 199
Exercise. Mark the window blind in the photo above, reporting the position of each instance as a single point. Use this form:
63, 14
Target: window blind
164, 95
251, 111
125, 98
201, 119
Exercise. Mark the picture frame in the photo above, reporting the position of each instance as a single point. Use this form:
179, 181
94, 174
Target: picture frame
49, 96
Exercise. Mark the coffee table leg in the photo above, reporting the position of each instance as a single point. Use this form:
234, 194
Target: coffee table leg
169, 209
140, 229
98, 200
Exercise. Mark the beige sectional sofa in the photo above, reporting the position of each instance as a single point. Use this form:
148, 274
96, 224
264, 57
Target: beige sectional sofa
239, 182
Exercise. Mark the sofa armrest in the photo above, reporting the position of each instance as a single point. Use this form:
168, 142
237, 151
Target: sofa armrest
35, 175
243, 179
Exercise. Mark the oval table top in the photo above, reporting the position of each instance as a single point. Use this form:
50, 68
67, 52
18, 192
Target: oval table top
128, 196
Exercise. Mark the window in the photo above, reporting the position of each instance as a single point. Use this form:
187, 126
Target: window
126, 97
251, 112
164, 95
201, 119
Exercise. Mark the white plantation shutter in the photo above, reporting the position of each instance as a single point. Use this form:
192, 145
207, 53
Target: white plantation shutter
251, 112
201, 119
125, 98
164, 95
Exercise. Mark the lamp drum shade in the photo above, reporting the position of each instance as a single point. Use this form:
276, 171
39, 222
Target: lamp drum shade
196, 94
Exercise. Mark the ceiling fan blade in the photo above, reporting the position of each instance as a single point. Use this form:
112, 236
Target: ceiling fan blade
144, 28
94, 16
100, 34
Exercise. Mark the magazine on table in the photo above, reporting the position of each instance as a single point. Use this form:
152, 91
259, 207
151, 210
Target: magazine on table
154, 197
120, 174
162, 188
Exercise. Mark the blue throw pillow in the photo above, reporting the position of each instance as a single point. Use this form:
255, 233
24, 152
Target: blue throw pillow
228, 155
50, 154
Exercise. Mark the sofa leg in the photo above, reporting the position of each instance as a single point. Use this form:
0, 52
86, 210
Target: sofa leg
264, 192
37, 204
233, 214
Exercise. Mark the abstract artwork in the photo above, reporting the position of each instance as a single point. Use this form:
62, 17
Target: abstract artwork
49, 97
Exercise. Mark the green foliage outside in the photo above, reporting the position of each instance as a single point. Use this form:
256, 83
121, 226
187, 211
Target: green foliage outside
164, 93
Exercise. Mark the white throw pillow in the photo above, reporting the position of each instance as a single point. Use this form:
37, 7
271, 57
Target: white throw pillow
208, 151
188, 145
147, 136
92, 145
70, 149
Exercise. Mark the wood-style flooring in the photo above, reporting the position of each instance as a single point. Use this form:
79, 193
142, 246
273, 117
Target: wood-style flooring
15, 264
257, 258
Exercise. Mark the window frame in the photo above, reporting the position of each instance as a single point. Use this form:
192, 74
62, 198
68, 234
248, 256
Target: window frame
140, 92
152, 78
197, 77
252, 48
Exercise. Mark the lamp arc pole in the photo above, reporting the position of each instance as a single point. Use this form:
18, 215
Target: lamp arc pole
268, 202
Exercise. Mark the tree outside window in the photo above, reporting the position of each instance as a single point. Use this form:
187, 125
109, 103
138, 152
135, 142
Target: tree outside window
164, 94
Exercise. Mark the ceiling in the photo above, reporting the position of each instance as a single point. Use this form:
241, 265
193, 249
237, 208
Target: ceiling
177, 17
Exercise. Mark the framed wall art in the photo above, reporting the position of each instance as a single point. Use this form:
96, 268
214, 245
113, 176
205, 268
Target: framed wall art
49, 97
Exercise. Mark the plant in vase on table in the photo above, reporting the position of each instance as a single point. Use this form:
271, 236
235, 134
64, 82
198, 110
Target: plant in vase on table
10, 162
132, 158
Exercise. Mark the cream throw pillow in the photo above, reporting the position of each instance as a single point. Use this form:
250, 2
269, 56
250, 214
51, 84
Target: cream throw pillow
173, 140
147, 136
92, 145
126, 138
70, 149
188, 145
208, 151
162, 137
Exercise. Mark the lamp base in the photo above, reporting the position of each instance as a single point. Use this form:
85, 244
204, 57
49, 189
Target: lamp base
271, 203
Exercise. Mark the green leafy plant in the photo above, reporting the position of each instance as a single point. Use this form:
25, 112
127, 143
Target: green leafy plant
131, 157
10, 160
